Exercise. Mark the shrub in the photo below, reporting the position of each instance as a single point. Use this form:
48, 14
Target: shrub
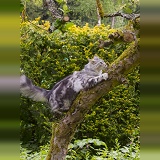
29, 154
94, 149
89, 149
48, 57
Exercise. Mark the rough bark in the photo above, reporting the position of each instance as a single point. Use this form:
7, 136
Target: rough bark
100, 12
127, 16
64, 130
126, 36
53, 8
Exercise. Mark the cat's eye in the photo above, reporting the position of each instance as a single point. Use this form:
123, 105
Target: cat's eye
93, 62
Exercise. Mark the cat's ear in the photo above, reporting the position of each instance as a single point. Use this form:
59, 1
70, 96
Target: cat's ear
95, 57
89, 60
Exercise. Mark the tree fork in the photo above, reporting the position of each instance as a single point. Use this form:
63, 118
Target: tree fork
64, 130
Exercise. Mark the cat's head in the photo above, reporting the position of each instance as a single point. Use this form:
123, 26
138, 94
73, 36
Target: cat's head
97, 64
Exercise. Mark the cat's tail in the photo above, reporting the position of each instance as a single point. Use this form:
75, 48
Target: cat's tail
27, 89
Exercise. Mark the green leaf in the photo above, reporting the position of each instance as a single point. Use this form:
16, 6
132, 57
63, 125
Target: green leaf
68, 25
65, 8
60, 1
21, 7
127, 10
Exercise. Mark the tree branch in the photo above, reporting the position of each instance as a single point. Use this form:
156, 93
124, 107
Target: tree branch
119, 36
64, 130
131, 33
127, 16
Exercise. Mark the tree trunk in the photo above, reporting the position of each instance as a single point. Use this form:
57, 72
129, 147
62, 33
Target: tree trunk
53, 8
112, 22
64, 130
99, 18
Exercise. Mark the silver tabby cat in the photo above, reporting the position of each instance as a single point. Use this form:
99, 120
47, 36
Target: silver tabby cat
61, 96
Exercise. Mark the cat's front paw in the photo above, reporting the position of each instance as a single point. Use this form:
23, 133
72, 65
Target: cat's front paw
105, 76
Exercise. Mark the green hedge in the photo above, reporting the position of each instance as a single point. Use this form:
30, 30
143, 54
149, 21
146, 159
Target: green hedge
48, 57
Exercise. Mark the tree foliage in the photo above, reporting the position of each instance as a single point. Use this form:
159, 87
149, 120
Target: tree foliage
81, 12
